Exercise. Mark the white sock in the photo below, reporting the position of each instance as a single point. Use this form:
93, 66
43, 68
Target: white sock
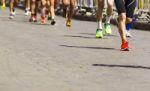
52, 17
27, 9
99, 25
108, 19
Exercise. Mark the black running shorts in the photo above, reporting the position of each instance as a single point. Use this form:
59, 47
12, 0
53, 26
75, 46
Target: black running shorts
126, 6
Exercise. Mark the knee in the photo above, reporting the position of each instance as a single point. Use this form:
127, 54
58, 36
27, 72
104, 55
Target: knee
122, 17
65, 3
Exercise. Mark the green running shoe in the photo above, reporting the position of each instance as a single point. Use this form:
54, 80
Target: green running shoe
2, 7
99, 33
108, 28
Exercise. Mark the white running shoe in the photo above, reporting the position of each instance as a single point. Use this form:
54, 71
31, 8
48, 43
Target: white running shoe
27, 13
12, 15
128, 34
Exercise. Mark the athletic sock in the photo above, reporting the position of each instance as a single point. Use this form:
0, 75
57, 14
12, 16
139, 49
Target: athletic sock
108, 19
99, 25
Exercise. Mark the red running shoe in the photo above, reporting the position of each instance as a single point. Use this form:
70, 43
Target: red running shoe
125, 46
43, 19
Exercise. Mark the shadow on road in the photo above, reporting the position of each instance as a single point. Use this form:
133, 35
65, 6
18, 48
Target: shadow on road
94, 34
121, 66
105, 48
88, 33
78, 36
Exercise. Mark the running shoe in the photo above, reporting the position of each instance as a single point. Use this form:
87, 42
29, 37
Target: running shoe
14, 12
33, 18
53, 22
27, 12
128, 34
68, 23
125, 46
12, 15
49, 17
128, 26
108, 28
99, 33
43, 20
2, 6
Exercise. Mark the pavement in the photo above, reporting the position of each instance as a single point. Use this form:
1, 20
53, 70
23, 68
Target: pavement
35, 57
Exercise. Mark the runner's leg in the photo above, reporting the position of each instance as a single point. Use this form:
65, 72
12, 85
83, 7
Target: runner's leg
108, 17
100, 6
120, 5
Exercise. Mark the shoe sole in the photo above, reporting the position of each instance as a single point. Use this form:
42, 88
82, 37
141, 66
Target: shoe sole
53, 23
108, 32
11, 17
68, 25
99, 35
126, 49
32, 20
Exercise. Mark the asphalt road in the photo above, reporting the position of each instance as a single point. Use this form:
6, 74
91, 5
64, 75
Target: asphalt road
35, 57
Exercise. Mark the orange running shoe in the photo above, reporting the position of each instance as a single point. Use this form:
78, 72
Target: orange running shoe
68, 23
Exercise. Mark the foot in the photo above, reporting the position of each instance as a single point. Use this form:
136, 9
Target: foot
108, 29
3, 6
33, 18
125, 46
27, 12
99, 33
49, 18
12, 15
128, 34
68, 23
53, 22
43, 20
